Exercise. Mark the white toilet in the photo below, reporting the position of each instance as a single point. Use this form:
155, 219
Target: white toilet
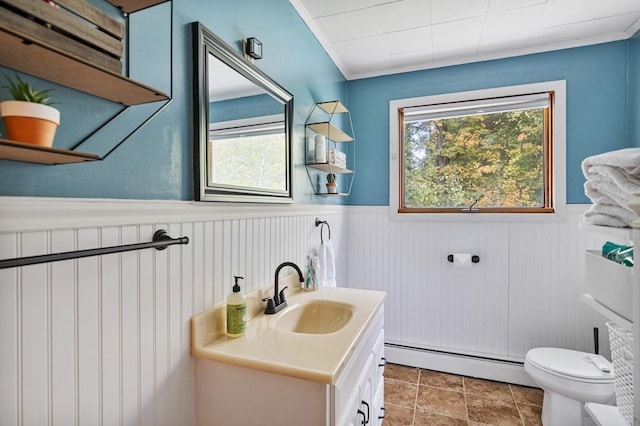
569, 379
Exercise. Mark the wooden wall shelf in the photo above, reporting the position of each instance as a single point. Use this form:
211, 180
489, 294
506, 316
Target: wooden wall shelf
130, 6
17, 151
27, 46
94, 67
34, 57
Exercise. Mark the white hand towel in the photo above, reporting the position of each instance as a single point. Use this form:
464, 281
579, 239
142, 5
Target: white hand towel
327, 265
607, 193
607, 215
627, 159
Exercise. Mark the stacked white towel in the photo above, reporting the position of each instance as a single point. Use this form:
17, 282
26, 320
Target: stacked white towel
613, 178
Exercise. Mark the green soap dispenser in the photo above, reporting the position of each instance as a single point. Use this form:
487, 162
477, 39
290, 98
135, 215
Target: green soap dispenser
236, 311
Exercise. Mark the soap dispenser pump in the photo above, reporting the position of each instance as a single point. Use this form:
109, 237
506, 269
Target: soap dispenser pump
236, 311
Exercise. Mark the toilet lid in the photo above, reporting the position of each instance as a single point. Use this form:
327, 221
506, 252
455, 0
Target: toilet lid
566, 362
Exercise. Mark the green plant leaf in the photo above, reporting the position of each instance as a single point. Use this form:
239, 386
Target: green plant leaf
22, 91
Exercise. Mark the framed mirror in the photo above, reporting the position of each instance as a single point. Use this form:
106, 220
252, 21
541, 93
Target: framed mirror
243, 121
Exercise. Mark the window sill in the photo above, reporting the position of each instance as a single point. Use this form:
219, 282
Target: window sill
559, 215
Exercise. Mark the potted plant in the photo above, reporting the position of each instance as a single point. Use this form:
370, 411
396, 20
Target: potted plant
29, 117
332, 186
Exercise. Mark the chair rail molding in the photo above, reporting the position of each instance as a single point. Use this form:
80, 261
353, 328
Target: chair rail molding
40, 213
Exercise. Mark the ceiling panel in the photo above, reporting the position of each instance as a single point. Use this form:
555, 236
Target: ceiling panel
374, 37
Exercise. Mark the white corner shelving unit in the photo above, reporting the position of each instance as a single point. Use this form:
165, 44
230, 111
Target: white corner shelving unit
322, 120
615, 295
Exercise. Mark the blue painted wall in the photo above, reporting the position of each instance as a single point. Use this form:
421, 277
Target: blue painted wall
156, 162
634, 91
603, 89
596, 101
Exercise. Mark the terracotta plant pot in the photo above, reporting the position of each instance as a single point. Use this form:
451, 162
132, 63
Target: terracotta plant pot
30, 123
332, 188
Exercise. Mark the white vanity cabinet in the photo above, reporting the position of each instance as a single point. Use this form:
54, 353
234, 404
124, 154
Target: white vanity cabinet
234, 395
362, 381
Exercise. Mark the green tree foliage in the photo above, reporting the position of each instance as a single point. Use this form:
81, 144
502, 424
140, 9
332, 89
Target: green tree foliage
497, 158
252, 161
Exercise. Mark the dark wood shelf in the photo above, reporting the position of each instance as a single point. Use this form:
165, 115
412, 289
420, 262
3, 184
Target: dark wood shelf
25, 54
130, 6
17, 151
28, 47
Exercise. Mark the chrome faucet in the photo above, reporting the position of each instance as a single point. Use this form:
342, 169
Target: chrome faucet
277, 303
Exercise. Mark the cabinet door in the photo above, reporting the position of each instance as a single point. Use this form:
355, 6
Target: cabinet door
366, 402
378, 412
354, 407
377, 380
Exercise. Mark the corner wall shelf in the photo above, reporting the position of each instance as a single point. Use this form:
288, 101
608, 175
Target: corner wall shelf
319, 122
17, 151
330, 131
329, 168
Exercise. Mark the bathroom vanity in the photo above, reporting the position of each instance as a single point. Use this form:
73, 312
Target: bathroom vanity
320, 361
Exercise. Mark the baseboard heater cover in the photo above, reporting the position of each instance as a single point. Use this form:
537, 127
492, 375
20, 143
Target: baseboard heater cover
488, 368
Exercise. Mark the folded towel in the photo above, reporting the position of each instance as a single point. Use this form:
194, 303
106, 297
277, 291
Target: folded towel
601, 192
627, 159
327, 265
609, 215
628, 183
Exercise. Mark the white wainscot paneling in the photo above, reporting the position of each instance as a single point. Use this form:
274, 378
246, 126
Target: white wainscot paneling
524, 293
105, 340
434, 304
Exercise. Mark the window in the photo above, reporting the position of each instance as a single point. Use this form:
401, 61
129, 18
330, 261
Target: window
248, 153
490, 151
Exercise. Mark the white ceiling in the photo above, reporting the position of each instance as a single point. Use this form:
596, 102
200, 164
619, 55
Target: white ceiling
366, 38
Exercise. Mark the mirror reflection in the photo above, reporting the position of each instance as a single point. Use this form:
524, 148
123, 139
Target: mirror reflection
247, 137
243, 127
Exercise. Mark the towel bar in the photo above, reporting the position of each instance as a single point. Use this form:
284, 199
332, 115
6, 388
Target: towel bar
161, 240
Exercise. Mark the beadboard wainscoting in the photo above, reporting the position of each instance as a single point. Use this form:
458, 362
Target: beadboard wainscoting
524, 292
105, 340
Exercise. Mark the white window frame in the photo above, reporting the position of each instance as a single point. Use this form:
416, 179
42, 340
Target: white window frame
559, 185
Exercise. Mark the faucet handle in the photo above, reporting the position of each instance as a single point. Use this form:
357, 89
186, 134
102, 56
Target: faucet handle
270, 304
282, 294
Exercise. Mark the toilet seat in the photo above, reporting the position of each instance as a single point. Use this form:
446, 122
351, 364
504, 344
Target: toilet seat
570, 364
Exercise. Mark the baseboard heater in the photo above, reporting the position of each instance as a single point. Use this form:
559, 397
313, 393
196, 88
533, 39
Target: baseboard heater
501, 370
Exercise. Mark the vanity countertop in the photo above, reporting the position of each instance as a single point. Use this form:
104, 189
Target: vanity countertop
314, 357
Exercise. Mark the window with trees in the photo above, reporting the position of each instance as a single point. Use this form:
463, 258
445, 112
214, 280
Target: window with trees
248, 153
477, 154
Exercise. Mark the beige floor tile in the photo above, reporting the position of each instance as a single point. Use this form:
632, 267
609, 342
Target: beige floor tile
425, 418
488, 389
530, 414
398, 416
441, 401
491, 411
416, 397
399, 393
437, 379
401, 372
527, 395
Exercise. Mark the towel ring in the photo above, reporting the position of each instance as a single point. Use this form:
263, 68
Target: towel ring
322, 223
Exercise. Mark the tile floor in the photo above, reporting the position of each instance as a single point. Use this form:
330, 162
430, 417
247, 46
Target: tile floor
416, 397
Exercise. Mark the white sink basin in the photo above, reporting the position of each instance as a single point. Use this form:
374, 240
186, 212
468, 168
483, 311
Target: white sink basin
315, 317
